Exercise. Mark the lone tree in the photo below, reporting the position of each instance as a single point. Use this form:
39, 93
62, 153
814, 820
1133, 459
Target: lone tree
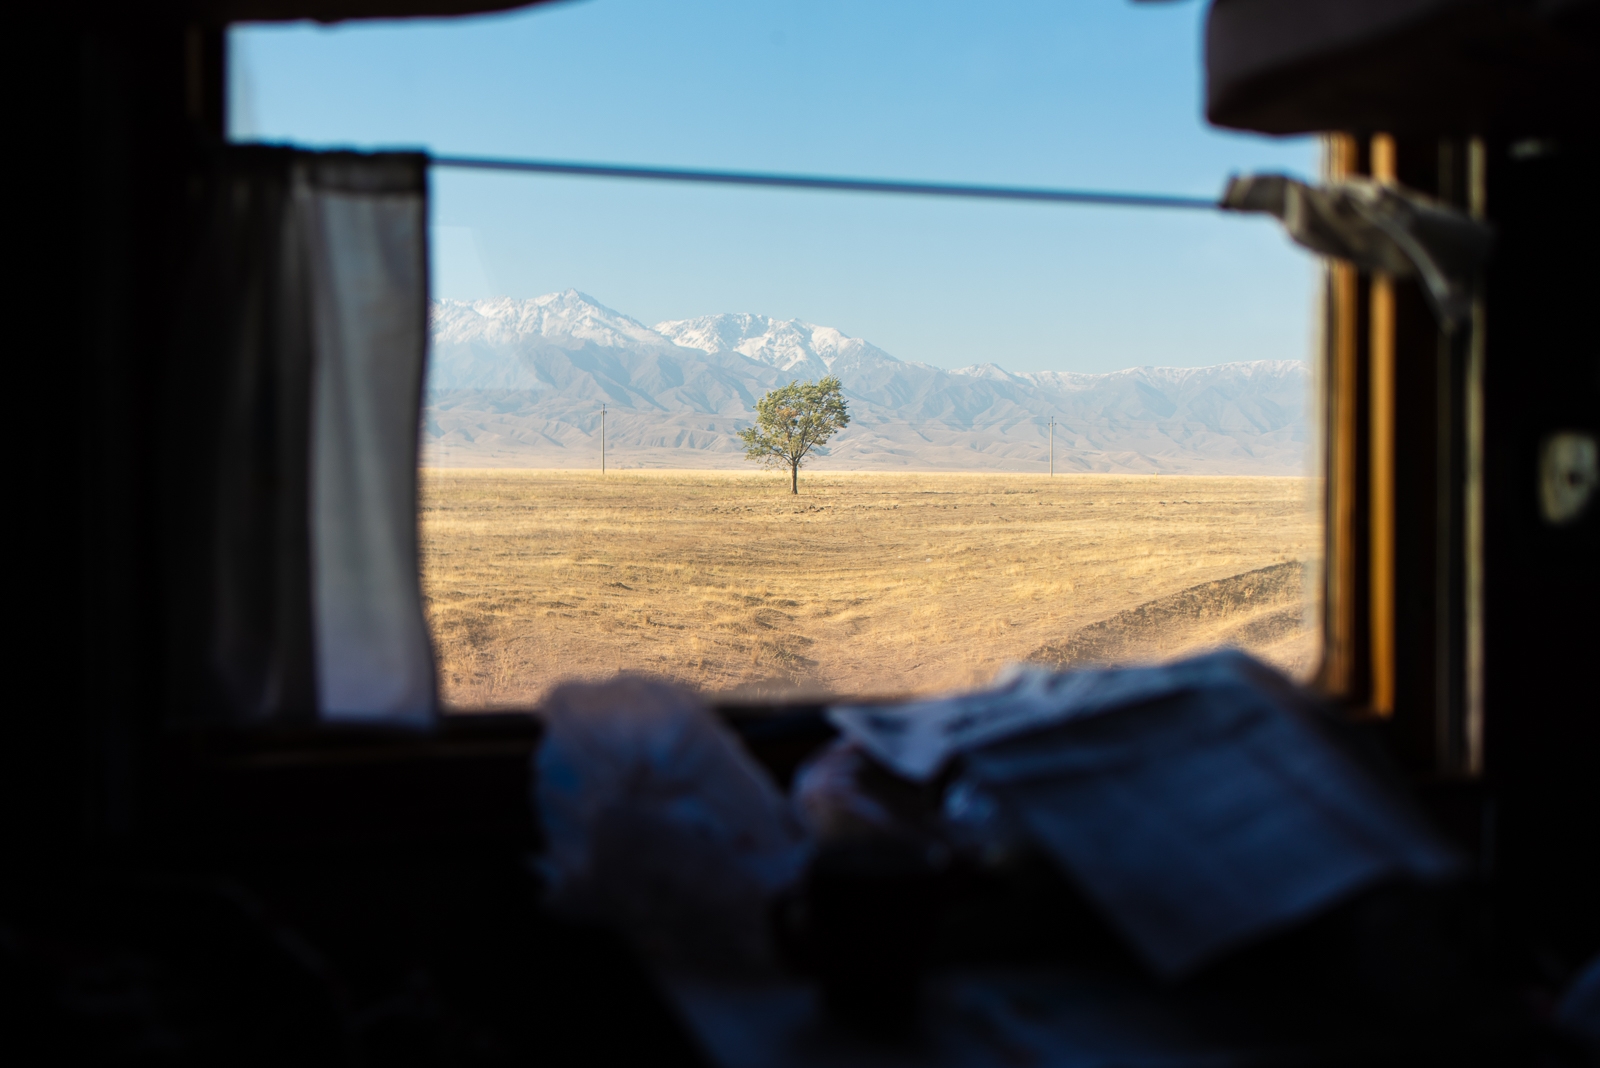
793, 420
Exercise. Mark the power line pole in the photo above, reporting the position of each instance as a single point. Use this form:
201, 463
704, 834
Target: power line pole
602, 439
1052, 446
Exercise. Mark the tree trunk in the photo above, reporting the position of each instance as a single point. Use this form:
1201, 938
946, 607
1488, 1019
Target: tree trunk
794, 479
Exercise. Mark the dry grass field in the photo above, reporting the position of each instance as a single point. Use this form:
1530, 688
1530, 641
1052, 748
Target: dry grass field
864, 584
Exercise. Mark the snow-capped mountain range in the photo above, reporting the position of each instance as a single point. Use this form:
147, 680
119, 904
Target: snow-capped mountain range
521, 383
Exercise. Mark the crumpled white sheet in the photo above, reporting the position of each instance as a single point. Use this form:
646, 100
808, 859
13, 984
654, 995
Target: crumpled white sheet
1200, 804
918, 739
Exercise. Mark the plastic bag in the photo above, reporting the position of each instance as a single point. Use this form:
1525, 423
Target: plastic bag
659, 822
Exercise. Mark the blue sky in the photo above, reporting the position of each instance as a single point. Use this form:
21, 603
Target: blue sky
1100, 94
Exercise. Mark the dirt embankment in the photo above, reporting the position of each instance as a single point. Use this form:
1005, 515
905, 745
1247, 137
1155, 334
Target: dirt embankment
1261, 610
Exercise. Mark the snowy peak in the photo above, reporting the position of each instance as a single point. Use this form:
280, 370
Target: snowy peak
572, 320
1244, 375
787, 344
993, 372
717, 333
568, 316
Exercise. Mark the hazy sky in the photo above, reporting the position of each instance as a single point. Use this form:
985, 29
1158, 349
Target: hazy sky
1101, 94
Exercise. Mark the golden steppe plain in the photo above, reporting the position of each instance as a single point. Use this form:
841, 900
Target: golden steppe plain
864, 584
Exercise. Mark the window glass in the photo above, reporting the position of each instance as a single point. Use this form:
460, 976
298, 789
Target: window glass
1154, 359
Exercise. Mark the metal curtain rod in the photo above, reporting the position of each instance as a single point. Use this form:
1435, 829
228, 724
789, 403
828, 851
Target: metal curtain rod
839, 185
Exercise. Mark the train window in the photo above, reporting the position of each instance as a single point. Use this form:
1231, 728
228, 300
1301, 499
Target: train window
1075, 435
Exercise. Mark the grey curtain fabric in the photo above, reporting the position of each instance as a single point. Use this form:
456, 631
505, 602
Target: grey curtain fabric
233, 427
1377, 227
293, 445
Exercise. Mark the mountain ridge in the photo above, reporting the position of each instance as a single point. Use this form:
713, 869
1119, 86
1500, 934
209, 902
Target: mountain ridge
520, 382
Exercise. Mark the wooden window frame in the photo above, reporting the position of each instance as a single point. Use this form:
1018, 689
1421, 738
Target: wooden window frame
1402, 460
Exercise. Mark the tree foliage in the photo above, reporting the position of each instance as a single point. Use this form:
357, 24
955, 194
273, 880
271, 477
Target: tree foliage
793, 420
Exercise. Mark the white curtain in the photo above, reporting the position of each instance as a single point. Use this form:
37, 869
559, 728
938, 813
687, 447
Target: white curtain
365, 227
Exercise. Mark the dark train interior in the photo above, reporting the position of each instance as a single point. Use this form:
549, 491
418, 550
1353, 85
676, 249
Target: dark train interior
190, 881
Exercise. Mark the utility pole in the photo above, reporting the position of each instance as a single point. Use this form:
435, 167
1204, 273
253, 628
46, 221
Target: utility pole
603, 439
1052, 446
